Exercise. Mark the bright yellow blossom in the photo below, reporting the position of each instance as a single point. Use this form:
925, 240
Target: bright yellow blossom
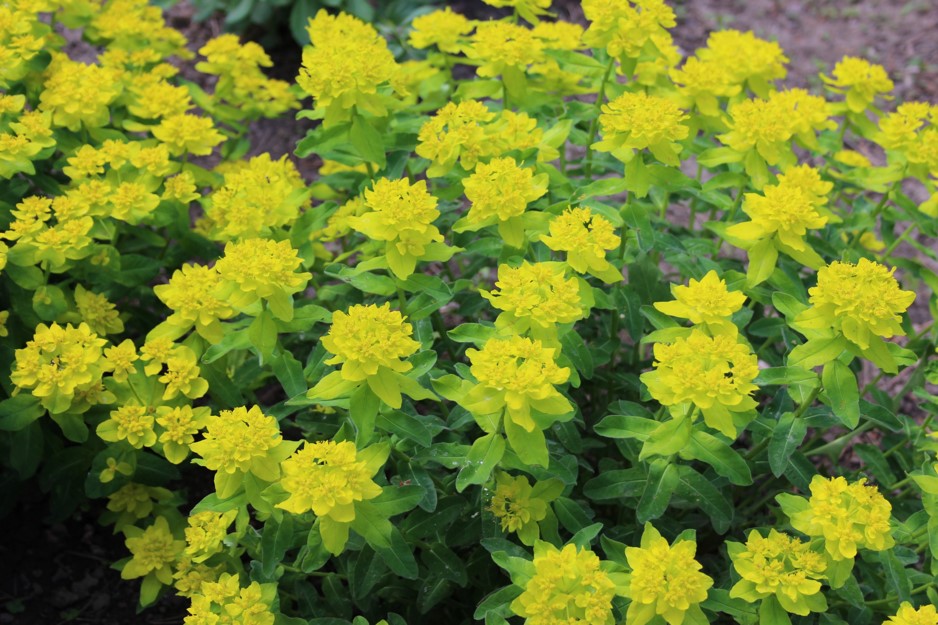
154, 550
535, 297
909, 615
95, 310
180, 424
714, 374
120, 359
846, 515
182, 375
205, 533
59, 363
132, 423
753, 62
636, 121
568, 586
188, 134
705, 302
519, 507
224, 601
329, 478
860, 81
455, 134
260, 269
628, 29
779, 568
503, 48
586, 237
77, 94
442, 28
500, 192
665, 580
345, 66
703, 83
862, 301
240, 442
402, 214
189, 294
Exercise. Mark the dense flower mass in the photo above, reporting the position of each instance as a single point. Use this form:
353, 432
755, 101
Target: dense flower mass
714, 374
665, 581
568, 586
535, 297
782, 567
585, 237
706, 301
153, 551
909, 615
861, 301
636, 121
860, 81
369, 338
846, 515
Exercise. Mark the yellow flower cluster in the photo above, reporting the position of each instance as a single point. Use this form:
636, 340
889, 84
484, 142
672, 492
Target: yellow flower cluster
585, 237
255, 198
402, 214
846, 515
636, 121
861, 301
253, 270
909, 615
860, 81
154, 551
779, 567
329, 478
205, 532
535, 297
714, 374
240, 442
502, 48
226, 601
568, 586
346, 66
442, 29
630, 29
751, 61
665, 581
190, 294
706, 302
58, 364
519, 507
499, 192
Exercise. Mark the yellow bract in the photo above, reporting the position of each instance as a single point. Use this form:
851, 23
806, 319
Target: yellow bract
706, 301
443, 29
636, 121
519, 507
909, 615
585, 237
860, 80
153, 551
665, 581
369, 338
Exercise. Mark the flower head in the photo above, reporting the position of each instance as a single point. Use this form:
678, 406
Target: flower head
847, 516
153, 551
205, 532
568, 586
190, 295
860, 80
180, 424
500, 46
455, 133
706, 301
636, 121
908, 615
714, 374
586, 237
442, 28
519, 507
368, 338
95, 310
861, 301
665, 581
184, 133
753, 62
784, 211
782, 567
132, 423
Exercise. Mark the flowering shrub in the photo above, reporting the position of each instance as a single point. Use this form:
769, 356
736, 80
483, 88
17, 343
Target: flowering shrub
569, 327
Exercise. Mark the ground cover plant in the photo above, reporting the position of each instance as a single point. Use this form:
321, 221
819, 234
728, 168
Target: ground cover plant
569, 328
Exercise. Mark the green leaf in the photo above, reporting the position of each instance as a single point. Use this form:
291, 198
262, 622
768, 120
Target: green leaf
700, 491
18, 412
398, 555
406, 426
26, 447
724, 459
395, 500
289, 372
660, 484
367, 141
262, 333
625, 426
363, 411
816, 352
788, 434
762, 259
840, 386
485, 453
276, 540
897, 576
772, 613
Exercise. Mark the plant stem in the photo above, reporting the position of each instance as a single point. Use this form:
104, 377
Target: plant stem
902, 237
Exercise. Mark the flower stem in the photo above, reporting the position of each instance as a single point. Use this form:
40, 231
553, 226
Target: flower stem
594, 124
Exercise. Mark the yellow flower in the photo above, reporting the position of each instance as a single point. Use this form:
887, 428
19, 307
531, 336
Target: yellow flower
180, 425
860, 301
455, 133
4, 315
860, 80
58, 363
908, 615
442, 28
535, 297
627, 29
781, 568
224, 601
852, 158
238, 442
665, 581
517, 377
132, 423
899, 130
256, 197
714, 374
189, 294
159, 99
153, 551
205, 532
752, 62
77, 94
706, 302
559, 35
260, 269
189, 577
135, 501
501, 47
500, 192
847, 516
345, 66
519, 507
703, 83
528, 9
586, 237
188, 134
568, 586
180, 188
95, 310
402, 214
329, 478
182, 375
636, 121
120, 359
